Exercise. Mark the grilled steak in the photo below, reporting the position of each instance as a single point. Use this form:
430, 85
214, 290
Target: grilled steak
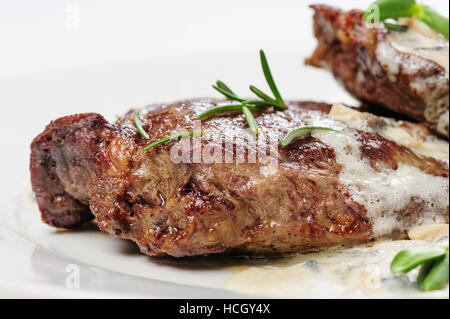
406, 72
331, 188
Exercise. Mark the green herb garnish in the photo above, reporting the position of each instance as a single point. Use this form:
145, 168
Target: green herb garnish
245, 106
433, 19
222, 88
435, 275
250, 119
269, 79
248, 106
395, 27
434, 261
410, 258
301, 132
265, 97
268, 101
227, 109
389, 9
171, 138
138, 125
382, 10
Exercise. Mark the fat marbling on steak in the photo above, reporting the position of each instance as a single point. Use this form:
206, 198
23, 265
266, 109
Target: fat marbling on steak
405, 72
330, 188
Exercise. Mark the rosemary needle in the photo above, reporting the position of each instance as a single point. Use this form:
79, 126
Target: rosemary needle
269, 78
227, 109
301, 132
266, 98
250, 119
224, 87
171, 138
228, 93
138, 125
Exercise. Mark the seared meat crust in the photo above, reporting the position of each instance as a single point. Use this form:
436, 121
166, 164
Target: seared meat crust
82, 166
406, 83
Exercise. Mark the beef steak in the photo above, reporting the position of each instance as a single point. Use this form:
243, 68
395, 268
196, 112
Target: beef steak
330, 188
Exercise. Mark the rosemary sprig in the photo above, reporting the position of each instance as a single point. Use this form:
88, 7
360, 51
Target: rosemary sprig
434, 261
170, 138
250, 119
394, 9
301, 132
250, 105
225, 90
138, 125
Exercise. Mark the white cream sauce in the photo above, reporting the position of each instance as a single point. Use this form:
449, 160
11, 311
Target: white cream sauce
419, 40
385, 191
360, 272
428, 146
406, 134
432, 48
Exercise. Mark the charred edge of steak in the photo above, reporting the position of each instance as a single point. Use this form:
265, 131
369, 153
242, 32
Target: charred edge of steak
58, 208
347, 47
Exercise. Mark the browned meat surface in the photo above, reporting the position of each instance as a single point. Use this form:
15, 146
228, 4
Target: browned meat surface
371, 65
82, 164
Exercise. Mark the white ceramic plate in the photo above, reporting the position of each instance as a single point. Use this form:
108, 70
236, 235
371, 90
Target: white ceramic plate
125, 55
38, 255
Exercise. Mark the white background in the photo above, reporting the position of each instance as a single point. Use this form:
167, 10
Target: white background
34, 36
